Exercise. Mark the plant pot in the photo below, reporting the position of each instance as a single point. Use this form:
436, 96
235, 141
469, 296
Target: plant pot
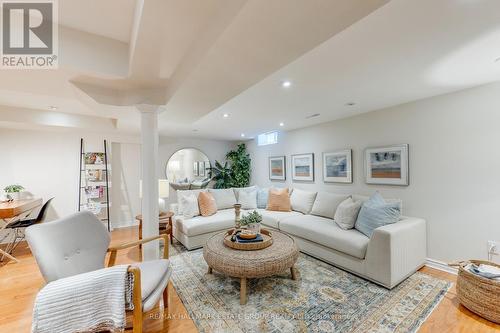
15, 195
255, 227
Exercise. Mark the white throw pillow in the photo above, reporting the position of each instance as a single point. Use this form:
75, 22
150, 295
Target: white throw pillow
248, 199
302, 201
326, 204
190, 206
237, 190
347, 213
185, 193
224, 198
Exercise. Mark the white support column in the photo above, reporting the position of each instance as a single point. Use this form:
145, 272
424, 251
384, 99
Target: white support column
149, 167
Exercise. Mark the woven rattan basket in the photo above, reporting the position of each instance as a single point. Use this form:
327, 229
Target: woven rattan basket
478, 294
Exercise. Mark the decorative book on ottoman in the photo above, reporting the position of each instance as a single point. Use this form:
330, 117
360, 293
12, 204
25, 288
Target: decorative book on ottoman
254, 240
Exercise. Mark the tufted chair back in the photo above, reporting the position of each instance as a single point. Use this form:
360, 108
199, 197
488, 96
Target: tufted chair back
72, 245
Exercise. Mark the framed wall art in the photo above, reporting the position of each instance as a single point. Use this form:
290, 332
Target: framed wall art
337, 166
303, 167
387, 165
277, 168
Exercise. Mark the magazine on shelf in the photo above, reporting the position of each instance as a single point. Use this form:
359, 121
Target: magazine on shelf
94, 158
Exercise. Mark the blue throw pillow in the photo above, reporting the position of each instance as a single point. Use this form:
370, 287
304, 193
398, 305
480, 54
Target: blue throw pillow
262, 195
375, 213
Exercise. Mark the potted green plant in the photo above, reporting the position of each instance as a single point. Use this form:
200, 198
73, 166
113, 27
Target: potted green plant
252, 221
221, 174
240, 166
14, 191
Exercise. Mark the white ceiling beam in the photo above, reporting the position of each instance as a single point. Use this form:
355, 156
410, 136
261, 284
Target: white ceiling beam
57, 119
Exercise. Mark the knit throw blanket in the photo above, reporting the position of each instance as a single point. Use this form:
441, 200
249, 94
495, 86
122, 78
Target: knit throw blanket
88, 302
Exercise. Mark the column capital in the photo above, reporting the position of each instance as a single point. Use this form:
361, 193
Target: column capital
149, 108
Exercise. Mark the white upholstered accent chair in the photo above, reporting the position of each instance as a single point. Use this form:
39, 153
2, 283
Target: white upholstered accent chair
78, 244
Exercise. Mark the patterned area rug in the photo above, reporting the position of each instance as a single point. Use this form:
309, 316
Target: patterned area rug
323, 299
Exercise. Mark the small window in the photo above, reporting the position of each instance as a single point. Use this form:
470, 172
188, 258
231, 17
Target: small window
269, 138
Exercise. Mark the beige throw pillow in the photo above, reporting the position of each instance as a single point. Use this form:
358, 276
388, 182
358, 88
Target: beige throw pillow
347, 213
207, 204
279, 200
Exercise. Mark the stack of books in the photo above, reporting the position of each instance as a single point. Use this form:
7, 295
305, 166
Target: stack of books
257, 239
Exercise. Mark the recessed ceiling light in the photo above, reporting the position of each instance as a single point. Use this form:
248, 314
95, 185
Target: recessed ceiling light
350, 104
313, 116
225, 115
195, 130
242, 135
286, 84
53, 107
282, 124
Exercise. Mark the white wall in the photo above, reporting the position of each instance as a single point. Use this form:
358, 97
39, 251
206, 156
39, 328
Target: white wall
125, 175
46, 163
454, 164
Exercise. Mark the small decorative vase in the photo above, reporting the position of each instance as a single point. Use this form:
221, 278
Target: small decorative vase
254, 227
237, 211
15, 195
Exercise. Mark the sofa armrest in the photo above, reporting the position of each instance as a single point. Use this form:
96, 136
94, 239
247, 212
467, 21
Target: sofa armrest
396, 250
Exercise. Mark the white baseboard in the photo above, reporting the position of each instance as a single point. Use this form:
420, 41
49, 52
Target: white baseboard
436, 264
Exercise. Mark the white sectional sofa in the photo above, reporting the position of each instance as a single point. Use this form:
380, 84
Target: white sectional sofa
394, 251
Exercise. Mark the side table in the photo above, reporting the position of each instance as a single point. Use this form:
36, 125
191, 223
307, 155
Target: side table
165, 224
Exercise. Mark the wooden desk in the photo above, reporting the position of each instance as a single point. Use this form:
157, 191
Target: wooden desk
17, 207
10, 210
165, 226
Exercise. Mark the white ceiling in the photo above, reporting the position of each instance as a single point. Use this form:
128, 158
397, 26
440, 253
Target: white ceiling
201, 59
108, 18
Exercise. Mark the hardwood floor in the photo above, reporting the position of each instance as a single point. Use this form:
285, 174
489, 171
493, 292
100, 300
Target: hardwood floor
19, 284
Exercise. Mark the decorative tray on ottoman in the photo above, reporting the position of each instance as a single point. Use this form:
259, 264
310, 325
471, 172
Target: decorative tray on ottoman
266, 235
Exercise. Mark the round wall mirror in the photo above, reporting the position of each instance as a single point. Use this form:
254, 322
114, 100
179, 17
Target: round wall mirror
188, 169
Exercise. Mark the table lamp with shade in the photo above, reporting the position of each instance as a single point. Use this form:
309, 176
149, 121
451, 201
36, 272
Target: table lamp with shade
163, 192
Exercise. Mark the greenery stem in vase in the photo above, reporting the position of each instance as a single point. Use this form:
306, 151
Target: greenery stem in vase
252, 221
13, 191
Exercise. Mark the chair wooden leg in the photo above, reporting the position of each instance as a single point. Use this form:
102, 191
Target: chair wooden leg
137, 300
165, 298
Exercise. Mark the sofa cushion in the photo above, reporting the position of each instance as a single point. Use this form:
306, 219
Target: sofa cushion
325, 232
206, 202
363, 198
248, 199
347, 213
302, 201
326, 204
222, 220
375, 213
272, 218
279, 200
262, 197
224, 198
237, 190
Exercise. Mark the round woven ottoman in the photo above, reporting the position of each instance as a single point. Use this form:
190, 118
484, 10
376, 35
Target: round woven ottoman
275, 259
